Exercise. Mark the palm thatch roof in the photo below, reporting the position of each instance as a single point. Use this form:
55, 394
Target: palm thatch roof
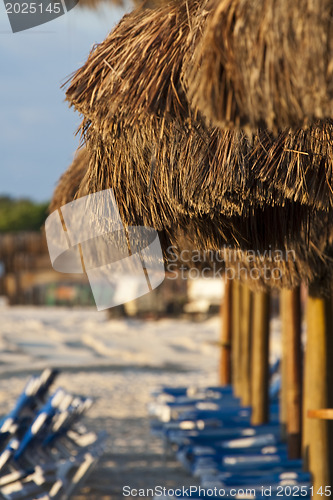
69, 182
137, 116
304, 258
296, 165
308, 258
301, 236
134, 79
292, 228
263, 63
201, 246
136, 70
171, 171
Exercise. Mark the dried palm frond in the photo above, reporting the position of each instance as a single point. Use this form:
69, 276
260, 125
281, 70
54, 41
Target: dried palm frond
291, 227
131, 82
189, 170
245, 242
308, 260
263, 63
297, 166
69, 182
136, 70
199, 171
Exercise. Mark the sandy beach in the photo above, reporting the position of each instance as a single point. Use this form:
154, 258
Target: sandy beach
119, 363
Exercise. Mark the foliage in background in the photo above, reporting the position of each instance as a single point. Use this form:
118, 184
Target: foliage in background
21, 214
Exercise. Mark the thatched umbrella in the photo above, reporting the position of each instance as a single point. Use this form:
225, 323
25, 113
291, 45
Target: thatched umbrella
198, 236
147, 144
167, 167
263, 63
169, 170
270, 64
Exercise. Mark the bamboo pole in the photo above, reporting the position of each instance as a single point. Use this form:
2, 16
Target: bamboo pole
226, 335
284, 354
235, 346
318, 390
293, 369
245, 344
260, 361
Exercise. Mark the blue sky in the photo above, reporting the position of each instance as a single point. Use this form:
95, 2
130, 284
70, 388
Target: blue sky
37, 128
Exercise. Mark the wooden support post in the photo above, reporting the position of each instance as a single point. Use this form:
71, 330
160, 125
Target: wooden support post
235, 346
292, 367
245, 344
260, 361
318, 390
226, 335
284, 354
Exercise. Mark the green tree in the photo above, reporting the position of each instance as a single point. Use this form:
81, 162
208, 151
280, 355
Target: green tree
21, 214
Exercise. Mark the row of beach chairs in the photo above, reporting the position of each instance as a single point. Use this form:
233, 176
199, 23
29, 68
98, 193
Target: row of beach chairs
45, 450
212, 437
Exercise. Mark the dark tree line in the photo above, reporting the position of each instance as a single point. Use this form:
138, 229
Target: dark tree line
21, 214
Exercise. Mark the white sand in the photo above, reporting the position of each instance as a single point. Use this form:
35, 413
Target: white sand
119, 363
